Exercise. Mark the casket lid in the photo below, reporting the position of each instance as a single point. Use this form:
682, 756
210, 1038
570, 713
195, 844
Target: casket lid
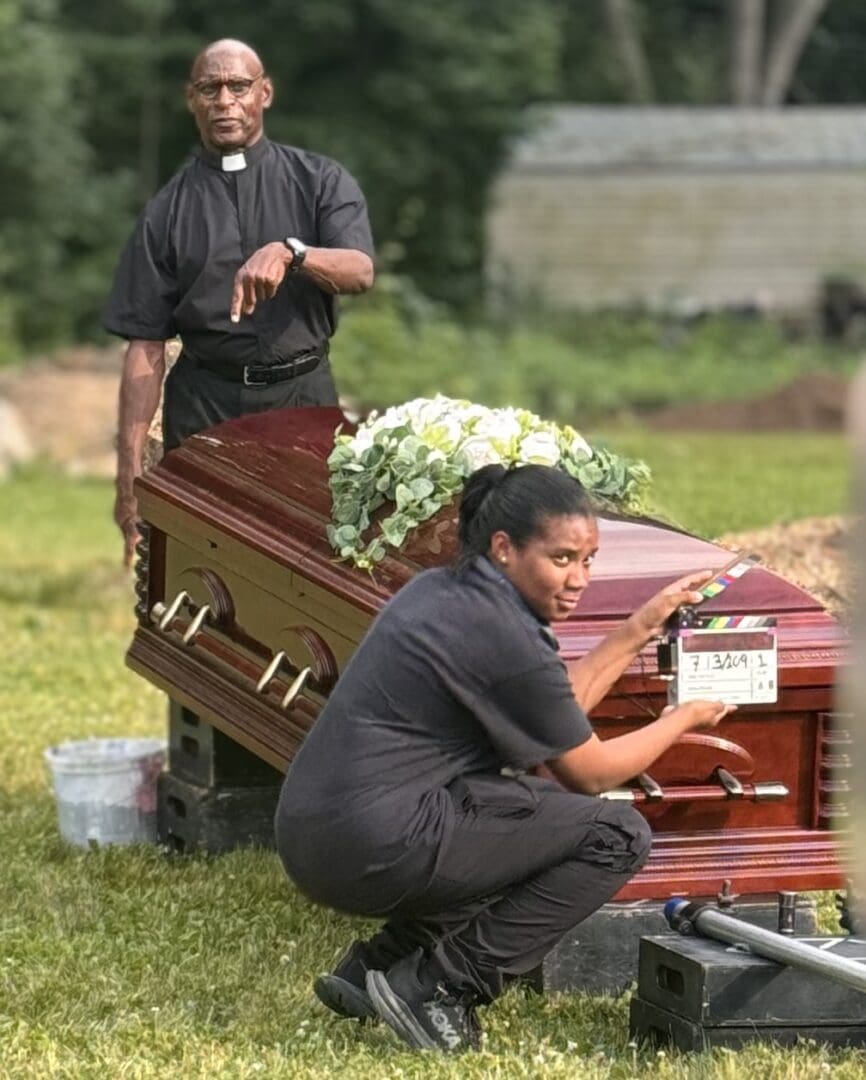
263, 480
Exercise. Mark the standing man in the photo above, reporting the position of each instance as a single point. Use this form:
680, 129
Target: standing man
241, 254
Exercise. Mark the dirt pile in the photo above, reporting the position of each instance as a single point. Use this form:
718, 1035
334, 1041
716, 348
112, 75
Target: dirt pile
812, 553
66, 405
813, 402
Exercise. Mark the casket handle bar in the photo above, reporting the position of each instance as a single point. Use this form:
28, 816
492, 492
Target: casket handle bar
728, 788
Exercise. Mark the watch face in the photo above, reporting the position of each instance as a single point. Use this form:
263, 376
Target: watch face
298, 250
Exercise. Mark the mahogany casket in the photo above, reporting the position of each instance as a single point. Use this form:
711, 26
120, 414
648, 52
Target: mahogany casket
246, 618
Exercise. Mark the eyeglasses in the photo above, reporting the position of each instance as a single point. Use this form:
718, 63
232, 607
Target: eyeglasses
238, 88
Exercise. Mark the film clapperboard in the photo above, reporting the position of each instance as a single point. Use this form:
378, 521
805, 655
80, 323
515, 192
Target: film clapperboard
730, 658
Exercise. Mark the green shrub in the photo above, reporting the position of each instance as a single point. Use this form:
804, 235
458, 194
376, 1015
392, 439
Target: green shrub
392, 347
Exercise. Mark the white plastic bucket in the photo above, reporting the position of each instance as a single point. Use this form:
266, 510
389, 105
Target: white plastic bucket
106, 789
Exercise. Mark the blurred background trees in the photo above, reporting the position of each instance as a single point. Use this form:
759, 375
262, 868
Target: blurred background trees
417, 99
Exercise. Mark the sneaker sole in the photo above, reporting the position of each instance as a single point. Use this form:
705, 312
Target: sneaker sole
393, 1011
343, 998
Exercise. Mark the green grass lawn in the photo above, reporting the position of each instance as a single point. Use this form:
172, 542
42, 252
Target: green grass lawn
713, 484
128, 963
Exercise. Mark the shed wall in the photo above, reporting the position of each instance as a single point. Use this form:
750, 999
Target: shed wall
667, 238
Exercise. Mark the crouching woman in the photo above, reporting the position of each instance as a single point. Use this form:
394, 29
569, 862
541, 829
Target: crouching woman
414, 797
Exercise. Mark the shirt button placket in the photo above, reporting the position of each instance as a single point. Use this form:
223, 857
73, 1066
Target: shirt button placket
246, 189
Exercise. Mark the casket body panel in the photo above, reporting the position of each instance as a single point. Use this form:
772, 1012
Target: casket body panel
236, 521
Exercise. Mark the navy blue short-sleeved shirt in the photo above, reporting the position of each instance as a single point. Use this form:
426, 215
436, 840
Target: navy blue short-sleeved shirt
456, 676
176, 273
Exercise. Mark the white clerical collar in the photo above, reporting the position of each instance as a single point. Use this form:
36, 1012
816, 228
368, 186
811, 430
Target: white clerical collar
247, 157
233, 162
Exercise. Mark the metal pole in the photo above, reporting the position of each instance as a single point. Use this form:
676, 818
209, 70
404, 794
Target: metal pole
709, 922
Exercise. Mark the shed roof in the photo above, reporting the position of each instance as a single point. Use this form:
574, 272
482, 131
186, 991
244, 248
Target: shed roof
584, 138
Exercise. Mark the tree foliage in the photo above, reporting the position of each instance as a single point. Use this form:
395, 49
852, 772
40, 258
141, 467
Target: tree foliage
50, 238
742, 52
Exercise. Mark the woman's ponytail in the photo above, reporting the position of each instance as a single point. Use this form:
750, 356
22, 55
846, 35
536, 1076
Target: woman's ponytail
479, 487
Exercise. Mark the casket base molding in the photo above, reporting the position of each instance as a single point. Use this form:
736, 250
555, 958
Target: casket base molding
755, 862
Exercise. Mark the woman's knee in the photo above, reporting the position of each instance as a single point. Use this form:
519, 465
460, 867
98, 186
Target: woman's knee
622, 838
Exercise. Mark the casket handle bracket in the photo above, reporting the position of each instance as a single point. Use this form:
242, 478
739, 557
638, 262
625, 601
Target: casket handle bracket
297, 686
651, 788
164, 616
733, 787
270, 671
195, 624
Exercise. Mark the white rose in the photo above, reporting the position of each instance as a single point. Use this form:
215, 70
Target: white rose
479, 451
500, 424
363, 440
390, 418
539, 448
421, 410
446, 432
475, 414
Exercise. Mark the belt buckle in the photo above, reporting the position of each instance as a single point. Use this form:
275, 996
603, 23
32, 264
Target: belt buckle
252, 382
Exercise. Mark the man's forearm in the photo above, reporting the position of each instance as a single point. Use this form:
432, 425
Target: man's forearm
339, 270
140, 388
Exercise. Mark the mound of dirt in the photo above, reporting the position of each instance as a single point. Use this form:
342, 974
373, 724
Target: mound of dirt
67, 406
69, 409
813, 402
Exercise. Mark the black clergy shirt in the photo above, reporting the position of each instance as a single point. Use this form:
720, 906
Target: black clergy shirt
176, 273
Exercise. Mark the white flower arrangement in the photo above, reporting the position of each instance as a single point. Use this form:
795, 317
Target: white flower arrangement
418, 456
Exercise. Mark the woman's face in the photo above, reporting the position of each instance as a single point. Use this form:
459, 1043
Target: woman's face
551, 570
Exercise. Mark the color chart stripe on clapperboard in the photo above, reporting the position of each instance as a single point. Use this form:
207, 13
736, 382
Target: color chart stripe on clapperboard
723, 580
744, 622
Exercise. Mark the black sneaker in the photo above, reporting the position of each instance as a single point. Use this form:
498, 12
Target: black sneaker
343, 991
425, 1014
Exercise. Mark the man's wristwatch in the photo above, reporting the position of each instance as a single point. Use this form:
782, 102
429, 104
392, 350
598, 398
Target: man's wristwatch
299, 253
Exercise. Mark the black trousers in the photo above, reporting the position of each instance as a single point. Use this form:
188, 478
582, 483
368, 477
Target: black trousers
527, 862
196, 399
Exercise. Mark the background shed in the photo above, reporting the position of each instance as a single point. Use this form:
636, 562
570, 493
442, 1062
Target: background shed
684, 208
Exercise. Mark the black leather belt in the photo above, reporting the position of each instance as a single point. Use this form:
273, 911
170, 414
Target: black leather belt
261, 375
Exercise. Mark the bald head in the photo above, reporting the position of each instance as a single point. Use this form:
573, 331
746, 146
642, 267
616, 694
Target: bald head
227, 94
226, 48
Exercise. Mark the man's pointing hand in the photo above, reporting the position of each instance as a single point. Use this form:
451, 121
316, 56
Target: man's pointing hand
259, 278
